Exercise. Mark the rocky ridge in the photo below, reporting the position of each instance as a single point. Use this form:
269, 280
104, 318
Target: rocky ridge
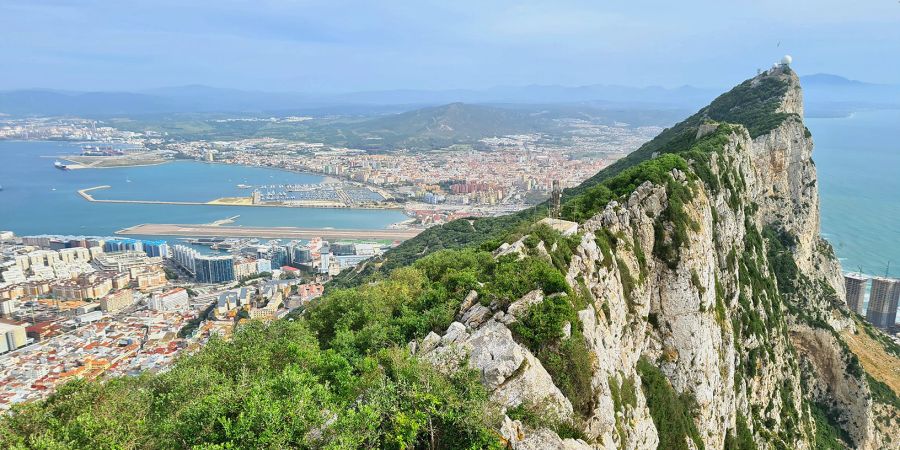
752, 346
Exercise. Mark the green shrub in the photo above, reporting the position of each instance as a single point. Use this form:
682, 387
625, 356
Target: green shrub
672, 413
570, 365
741, 438
829, 434
543, 323
627, 283
882, 393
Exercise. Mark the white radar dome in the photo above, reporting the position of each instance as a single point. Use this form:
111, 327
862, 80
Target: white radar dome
786, 60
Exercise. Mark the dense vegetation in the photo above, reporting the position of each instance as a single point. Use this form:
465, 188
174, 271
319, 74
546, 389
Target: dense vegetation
462, 233
339, 375
750, 104
270, 387
672, 412
829, 434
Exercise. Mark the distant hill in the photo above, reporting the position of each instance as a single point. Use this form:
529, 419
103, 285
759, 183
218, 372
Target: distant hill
828, 95
199, 98
827, 79
434, 127
47, 102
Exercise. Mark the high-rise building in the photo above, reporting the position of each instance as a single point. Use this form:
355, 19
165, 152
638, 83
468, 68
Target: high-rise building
324, 261
214, 269
121, 245
12, 336
279, 256
343, 248
301, 255
149, 277
855, 285
882, 310
176, 299
185, 257
158, 248
117, 301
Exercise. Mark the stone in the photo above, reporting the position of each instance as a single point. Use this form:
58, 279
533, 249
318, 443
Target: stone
519, 307
476, 315
429, 342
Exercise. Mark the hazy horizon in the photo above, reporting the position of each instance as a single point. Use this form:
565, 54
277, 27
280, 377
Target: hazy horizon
336, 47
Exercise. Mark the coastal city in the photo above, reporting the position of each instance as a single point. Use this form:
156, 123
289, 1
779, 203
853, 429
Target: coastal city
82, 307
505, 174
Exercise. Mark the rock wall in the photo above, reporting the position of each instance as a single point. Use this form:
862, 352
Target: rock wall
714, 322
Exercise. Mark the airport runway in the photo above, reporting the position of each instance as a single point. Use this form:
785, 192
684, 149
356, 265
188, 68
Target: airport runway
163, 229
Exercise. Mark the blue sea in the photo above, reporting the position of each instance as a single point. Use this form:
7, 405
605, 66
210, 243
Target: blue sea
858, 161
40, 199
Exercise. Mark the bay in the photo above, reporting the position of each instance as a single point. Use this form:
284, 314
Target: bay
40, 199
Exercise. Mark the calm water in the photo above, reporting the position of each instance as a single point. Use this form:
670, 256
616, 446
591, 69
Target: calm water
38, 198
858, 160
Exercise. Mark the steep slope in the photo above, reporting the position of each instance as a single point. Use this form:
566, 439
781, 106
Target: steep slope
738, 305
696, 307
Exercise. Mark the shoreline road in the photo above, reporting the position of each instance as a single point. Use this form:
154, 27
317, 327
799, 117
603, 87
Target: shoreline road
163, 229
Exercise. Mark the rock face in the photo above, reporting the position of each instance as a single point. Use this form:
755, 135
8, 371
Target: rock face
749, 350
510, 372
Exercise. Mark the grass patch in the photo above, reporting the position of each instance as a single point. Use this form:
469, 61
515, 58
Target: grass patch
672, 413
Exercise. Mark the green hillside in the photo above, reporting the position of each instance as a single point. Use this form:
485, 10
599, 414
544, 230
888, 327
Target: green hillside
432, 128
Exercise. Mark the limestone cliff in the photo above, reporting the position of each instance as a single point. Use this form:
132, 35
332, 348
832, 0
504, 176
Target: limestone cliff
716, 279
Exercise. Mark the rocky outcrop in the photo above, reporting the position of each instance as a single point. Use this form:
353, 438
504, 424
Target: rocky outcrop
750, 346
519, 437
508, 370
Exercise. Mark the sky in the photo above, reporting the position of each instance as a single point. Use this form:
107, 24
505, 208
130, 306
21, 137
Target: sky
346, 46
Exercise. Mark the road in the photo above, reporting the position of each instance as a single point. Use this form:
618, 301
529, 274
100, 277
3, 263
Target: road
162, 229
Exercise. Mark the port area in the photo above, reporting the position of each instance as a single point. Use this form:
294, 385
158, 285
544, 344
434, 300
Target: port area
199, 230
239, 201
